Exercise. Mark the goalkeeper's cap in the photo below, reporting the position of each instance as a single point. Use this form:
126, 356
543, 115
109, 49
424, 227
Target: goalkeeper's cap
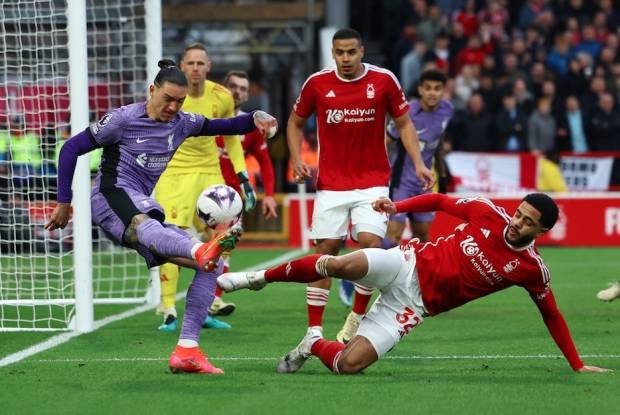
546, 206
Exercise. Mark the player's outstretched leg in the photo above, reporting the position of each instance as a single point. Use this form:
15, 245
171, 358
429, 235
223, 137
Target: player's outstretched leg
295, 359
307, 269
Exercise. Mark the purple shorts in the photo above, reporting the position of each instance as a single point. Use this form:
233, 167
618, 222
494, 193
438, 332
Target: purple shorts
402, 192
113, 210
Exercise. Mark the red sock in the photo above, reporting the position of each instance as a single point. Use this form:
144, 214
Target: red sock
315, 315
299, 270
361, 299
316, 300
328, 351
218, 291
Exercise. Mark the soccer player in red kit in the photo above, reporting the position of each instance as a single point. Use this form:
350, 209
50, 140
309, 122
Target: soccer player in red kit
488, 252
351, 103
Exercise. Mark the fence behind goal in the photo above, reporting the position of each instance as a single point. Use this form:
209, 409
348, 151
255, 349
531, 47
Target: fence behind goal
37, 284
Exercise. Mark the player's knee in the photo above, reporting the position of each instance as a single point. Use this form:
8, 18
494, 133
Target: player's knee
349, 365
131, 233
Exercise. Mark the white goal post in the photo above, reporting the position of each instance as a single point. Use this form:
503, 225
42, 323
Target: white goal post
64, 64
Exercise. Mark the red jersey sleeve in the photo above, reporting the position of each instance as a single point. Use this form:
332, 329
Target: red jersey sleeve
464, 208
558, 328
397, 102
258, 148
305, 104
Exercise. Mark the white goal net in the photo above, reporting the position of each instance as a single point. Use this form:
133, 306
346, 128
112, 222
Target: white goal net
37, 288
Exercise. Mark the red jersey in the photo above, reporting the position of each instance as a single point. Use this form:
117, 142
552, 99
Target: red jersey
476, 260
351, 118
253, 143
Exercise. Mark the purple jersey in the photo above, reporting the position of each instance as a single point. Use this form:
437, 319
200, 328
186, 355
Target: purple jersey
430, 126
136, 148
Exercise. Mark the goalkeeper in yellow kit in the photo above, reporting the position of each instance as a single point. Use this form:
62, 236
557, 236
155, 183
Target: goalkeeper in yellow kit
194, 167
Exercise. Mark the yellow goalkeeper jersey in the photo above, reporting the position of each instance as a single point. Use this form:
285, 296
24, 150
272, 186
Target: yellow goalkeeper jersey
200, 154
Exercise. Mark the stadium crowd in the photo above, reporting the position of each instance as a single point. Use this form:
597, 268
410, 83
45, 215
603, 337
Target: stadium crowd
532, 75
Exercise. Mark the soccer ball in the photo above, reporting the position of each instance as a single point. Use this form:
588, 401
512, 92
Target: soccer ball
219, 205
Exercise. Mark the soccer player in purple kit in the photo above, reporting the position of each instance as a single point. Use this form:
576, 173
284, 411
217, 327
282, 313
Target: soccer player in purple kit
430, 115
138, 141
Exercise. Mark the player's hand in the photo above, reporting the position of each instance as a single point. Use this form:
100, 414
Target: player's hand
383, 204
301, 172
60, 217
593, 369
265, 123
426, 176
269, 207
249, 196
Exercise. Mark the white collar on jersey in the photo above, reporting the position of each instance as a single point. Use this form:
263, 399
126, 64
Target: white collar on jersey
354, 79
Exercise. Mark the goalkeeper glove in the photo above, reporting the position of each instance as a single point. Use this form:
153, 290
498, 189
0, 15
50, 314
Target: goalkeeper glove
248, 192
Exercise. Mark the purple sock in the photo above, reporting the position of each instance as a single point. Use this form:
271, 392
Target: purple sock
199, 298
386, 243
165, 241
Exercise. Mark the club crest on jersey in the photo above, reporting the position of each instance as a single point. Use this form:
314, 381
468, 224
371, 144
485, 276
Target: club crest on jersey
469, 247
102, 123
511, 266
370, 91
170, 138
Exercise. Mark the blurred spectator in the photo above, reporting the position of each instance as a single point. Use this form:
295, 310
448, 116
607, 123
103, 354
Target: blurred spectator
440, 54
611, 13
537, 77
574, 81
559, 55
588, 44
468, 18
25, 153
604, 128
550, 178
472, 54
590, 100
411, 67
525, 99
548, 91
511, 70
458, 41
541, 128
471, 129
530, 12
511, 126
489, 91
599, 22
497, 17
431, 26
402, 47
464, 85
576, 9
571, 133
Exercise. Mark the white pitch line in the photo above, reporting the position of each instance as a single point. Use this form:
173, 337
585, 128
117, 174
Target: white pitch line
257, 358
65, 337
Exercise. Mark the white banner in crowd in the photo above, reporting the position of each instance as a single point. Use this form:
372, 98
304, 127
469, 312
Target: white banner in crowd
486, 172
587, 173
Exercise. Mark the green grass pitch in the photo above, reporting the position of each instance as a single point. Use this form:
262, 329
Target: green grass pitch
492, 356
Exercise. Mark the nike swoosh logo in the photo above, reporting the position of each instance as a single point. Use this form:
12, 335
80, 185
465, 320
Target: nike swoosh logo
422, 131
141, 141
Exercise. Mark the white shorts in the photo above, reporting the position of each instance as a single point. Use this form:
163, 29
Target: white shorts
399, 308
335, 210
